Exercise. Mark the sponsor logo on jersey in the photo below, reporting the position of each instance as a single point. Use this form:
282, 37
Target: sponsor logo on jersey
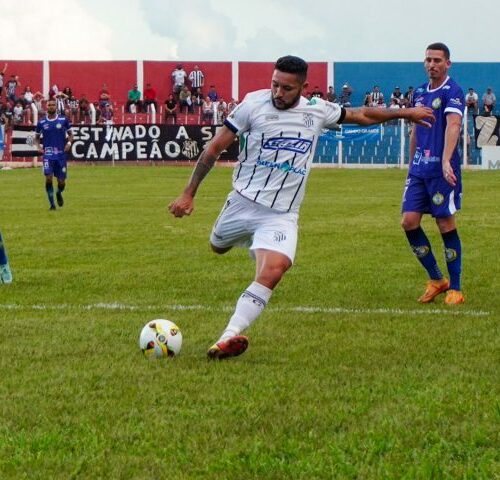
297, 145
285, 167
272, 117
438, 198
420, 251
450, 254
436, 103
456, 101
446, 87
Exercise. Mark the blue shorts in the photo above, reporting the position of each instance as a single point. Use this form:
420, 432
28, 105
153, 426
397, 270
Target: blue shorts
55, 164
432, 195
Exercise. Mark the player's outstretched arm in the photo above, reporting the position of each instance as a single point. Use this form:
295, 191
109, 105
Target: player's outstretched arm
184, 203
371, 115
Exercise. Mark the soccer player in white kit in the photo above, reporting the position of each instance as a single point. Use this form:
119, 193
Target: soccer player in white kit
280, 128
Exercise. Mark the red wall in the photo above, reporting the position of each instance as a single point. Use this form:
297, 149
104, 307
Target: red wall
216, 73
120, 76
88, 78
257, 75
30, 74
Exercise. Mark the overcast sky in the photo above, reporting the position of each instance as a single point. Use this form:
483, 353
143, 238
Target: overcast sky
247, 30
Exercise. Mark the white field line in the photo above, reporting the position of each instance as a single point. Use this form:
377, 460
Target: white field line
299, 309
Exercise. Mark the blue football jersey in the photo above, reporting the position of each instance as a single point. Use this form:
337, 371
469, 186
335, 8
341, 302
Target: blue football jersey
447, 98
53, 132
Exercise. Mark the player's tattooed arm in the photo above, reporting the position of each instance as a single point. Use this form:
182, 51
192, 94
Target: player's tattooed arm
203, 166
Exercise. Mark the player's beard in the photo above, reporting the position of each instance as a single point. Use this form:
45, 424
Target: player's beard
281, 105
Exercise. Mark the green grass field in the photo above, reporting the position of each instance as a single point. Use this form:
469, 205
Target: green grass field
346, 376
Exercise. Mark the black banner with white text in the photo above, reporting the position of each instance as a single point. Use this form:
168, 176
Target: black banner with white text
129, 142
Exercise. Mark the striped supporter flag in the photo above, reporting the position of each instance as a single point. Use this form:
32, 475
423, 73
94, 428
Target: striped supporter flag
23, 142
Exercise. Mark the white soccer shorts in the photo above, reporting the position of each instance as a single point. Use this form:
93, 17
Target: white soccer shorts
243, 223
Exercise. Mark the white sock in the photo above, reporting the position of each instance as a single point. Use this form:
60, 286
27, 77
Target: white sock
249, 306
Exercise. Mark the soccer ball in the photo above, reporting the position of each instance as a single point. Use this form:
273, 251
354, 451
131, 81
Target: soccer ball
160, 338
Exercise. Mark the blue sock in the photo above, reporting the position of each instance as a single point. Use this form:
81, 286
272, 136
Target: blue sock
3, 253
422, 249
453, 256
50, 193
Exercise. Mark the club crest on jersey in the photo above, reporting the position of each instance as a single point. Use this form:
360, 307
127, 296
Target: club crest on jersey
297, 145
58, 125
438, 198
308, 120
436, 103
279, 237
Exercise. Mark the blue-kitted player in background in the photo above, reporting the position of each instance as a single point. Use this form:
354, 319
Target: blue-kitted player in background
434, 183
5, 273
57, 138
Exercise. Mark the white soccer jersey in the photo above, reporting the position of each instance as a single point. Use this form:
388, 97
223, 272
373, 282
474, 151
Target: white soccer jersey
279, 147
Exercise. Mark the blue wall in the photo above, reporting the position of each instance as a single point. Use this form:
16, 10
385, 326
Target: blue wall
362, 76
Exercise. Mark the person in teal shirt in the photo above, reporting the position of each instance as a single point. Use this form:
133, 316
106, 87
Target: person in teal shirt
134, 98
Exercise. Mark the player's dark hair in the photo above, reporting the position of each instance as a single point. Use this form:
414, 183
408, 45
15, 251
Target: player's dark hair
440, 46
291, 64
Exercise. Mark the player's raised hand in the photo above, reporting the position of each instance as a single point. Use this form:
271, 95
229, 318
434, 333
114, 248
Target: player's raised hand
182, 205
422, 115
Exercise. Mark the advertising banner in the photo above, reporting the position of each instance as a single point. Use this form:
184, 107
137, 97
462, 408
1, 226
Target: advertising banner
356, 133
129, 142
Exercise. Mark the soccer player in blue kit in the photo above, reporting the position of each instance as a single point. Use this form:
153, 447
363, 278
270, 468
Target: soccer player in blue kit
434, 183
281, 128
5, 273
57, 138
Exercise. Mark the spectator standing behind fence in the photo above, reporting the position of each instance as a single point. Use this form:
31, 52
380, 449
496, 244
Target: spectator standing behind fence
317, 93
197, 79
398, 95
84, 106
472, 102
2, 77
197, 98
208, 110
150, 98
12, 85
179, 76
408, 97
134, 103
104, 96
212, 93
345, 96
106, 116
185, 100
331, 96
231, 105
377, 97
489, 101
170, 108
74, 109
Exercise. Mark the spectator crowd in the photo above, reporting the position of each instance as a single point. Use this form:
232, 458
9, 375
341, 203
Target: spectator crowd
189, 96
